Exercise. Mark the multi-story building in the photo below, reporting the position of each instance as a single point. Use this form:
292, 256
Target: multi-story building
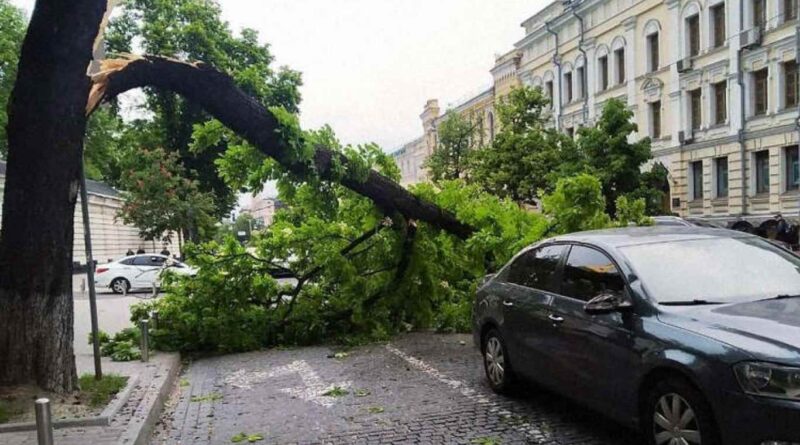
714, 83
262, 208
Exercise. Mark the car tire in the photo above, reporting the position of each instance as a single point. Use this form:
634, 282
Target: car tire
120, 286
675, 409
496, 363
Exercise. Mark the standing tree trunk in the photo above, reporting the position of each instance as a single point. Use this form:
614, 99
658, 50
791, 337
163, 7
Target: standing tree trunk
47, 122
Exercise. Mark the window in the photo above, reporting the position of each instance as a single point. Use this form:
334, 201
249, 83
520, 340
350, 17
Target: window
762, 172
151, 261
548, 87
652, 47
721, 167
536, 269
697, 180
655, 120
693, 28
792, 168
790, 84
570, 131
602, 64
760, 92
695, 100
718, 21
619, 55
581, 83
568, 87
720, 102
588, 273
789, 10
759, 14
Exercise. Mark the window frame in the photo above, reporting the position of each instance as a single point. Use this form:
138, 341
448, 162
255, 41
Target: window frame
787, 85
759, 190
568, 85
788, 152
759, 9
720, 90
720, 34
697, 192
693, 35
653, 50
626, 293
696, 115
718, 193
619, 59
602, 65
655, 119
792, 6
580, 72
764, 95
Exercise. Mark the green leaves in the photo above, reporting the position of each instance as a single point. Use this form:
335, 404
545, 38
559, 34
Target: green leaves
336, 391
250, 438
13, 24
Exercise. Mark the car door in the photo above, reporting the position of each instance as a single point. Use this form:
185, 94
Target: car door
594, 356
530, 284
148, 269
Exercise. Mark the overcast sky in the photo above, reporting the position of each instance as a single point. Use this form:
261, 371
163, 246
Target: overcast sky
370, 65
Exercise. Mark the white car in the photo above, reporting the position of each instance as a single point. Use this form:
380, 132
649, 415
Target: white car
137, 272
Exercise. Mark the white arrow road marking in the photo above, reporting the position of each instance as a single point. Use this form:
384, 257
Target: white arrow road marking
312, 389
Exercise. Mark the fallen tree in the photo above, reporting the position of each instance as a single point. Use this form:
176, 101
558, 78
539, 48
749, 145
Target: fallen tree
217, 93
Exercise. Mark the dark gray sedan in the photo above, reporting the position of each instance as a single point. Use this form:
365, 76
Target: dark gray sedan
691, 335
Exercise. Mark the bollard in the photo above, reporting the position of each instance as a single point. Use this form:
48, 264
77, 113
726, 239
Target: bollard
44, 424
155, 291
145, 347
154, 318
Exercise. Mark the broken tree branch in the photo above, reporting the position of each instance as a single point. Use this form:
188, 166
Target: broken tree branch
217, 93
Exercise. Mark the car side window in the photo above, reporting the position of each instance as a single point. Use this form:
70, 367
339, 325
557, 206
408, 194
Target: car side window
537, 268
128, 262
141, 261
588, 273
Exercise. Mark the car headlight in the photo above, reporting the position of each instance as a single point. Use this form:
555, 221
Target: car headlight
769, 380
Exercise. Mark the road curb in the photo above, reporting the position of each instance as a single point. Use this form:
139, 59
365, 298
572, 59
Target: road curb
141, 426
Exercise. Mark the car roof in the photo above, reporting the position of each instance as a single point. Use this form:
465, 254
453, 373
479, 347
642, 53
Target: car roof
629, 236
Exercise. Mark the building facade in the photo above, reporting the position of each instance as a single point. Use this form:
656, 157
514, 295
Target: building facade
111, 238
262, 208
714, 83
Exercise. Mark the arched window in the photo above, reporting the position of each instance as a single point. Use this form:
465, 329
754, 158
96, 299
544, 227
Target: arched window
567, 84
548, 87
490, 118
580, 78
652, 34
618, 69
603, 74
691, 32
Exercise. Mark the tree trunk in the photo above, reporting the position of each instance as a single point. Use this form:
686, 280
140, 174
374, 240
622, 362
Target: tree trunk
217, 93
47, 122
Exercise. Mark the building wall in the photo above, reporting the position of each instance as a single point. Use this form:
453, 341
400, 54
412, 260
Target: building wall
571, 37
111, 238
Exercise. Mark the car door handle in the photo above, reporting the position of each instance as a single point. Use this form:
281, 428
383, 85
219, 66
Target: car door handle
556, 319
508, 303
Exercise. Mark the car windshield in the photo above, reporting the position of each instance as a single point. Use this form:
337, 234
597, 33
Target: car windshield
718, 270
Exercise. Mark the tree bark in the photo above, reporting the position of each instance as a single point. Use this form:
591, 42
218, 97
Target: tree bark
217, 93
47, 122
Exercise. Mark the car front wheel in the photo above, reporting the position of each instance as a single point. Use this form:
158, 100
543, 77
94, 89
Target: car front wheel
496, 362
678, 414
120, 286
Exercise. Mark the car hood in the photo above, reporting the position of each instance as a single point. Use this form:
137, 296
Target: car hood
767, 330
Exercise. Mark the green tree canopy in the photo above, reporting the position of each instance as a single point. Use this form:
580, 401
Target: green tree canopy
194, 30
611, 156
526, 157
160, 198
13, 25
450, 157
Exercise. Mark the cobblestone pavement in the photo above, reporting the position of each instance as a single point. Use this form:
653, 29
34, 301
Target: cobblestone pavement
419, 389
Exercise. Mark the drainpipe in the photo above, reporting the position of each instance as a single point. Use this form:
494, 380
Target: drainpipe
557, 63
585, 80
740, 82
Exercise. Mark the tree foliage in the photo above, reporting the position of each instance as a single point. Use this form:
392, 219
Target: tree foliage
526, 157
450, 157
13, 25
194, 30
161, 200
358, 273
611, 156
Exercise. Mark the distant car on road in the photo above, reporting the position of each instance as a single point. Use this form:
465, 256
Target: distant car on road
138, 272
691, 335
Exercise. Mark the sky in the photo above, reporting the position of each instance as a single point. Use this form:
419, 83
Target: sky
369, 66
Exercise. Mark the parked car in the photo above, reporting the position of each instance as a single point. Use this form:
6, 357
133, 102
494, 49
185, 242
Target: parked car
691, 335
138, 271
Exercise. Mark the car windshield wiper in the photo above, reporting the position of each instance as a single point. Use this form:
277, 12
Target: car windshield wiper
695, 302
782, 297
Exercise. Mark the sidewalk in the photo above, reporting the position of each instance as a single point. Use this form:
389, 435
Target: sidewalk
134, 422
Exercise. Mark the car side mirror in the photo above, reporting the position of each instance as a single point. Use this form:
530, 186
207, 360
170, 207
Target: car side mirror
606, 303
